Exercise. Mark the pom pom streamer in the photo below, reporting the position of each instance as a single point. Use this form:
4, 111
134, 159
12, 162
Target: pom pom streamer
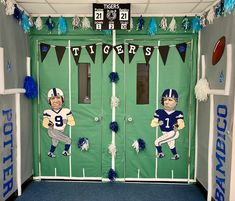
113, 76
3, 2
86, 23
139, 145
25, 23
163, 24
202, 90
186, 24
30, 87
10, 7
112, 150
229, 5
50, 24
210, 16
140, 23
203, 21
114, 101
31, 23
219, 9
17, 13
172, 26
152, 30
196, 25
112, 175
114, 126
62, 26
75, 22
83, 143
38, 23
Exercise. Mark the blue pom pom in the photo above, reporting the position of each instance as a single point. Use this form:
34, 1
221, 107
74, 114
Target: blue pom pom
186, 24
17, 13
25, 23
31, 87
112, 175
62, 26
114, 126
50, 24
82, 141
219, 9
140, 23
196, 26
113, 76
141, 144
229, 5
152, 27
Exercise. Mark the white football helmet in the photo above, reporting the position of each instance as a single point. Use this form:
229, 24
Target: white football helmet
55, 92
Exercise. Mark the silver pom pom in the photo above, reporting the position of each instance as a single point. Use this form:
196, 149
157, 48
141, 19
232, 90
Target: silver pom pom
163, 24
38, 23
210, 16
202, 89
114, 101
86, 23
172, 26
112, 150
75, 22
135, 145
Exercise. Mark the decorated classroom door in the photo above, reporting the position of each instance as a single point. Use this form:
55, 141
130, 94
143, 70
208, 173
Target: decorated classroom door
73, 67
157, 66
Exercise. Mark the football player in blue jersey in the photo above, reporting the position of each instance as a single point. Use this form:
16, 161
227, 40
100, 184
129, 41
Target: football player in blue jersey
170, 122
55, 120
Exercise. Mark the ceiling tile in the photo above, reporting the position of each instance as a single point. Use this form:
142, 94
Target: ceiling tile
73, 8
30, 1
124, 1
201, 7
177, 8
138, 8
37, 8
174, 1
70, 1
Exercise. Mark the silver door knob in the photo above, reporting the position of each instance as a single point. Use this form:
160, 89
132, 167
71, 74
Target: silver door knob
96, 119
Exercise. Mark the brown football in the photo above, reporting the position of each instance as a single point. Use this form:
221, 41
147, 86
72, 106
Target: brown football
218, 50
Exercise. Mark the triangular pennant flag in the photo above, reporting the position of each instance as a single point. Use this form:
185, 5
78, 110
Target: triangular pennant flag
76, 51
164, 50
44, 49
120, 51
132, 49
106, 50
148, 51
59, 52
182, 47
91, 49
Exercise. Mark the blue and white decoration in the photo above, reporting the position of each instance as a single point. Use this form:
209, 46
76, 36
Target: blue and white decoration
112, 175
139, 145
114, 126
112, 150
83, 143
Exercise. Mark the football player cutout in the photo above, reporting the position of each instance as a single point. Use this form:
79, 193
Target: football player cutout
55, 120
170, 122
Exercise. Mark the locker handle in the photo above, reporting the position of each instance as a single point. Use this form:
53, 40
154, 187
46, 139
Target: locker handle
97, 119
129, 119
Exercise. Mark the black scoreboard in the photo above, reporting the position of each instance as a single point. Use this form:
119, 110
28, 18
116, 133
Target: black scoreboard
111, 16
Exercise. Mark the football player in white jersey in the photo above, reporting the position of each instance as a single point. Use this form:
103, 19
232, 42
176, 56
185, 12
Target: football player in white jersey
55, 120
170, 122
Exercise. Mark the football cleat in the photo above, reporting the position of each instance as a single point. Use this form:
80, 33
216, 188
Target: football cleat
51, 154
175, 157
160, 155
65, 153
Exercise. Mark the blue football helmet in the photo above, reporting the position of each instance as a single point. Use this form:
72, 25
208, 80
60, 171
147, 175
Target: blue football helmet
169, 93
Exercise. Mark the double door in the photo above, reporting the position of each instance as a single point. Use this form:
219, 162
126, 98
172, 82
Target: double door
88, 90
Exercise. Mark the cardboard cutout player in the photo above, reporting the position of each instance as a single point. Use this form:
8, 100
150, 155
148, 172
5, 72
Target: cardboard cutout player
55, 120
170, 122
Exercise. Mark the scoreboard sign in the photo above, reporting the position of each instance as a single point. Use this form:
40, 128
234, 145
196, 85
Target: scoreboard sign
111, 16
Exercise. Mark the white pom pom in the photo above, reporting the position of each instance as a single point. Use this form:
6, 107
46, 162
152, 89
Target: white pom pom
86, 23
38, 23
10, 7
114, 101
203, 21
202, 89
163, 23
112, 150
131, 25
210, 16
31, 23
172, 26
135, 145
